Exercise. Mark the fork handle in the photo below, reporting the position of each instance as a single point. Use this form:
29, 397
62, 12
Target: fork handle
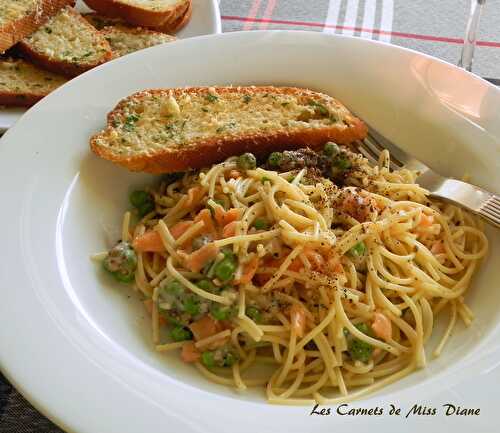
475, 199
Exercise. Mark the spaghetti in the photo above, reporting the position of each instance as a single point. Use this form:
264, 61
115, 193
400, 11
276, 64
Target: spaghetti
325, 272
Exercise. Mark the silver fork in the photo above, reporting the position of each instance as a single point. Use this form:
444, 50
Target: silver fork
475, 199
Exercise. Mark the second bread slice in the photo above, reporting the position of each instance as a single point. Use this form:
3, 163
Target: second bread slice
125, 40
67, 44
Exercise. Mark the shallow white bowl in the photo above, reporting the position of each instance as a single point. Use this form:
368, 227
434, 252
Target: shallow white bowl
79, 349
204, 21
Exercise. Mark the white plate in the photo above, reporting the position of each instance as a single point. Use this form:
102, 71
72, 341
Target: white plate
204, 21
79, 349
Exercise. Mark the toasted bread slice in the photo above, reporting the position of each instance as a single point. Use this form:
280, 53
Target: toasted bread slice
67, 44
149, 13
171, 27
125, 40
179, 23
168, 130
19, 18
101, 21
23, 84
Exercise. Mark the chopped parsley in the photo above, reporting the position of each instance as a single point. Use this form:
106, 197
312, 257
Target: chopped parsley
48, 30
319, 108
211, 98
204, 109
130, 120
247, 99
174, 128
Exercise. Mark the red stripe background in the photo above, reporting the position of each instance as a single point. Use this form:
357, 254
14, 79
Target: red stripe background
267, 21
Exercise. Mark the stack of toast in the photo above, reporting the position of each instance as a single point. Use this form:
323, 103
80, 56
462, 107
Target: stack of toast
43, 43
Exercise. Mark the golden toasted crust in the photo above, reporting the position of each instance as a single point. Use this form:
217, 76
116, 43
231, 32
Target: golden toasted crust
13, 32
179, 23
215, 149
179, 12
133, 14
68, 67
19, 100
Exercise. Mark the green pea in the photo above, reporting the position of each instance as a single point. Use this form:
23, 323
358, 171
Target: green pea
221, 312
207, 285
331, 149
365, 329
121, 262
360, 350
138, 198
229, 359
124, 278
228, 254
174, 288
143, 201
247, 161
343, 163
225, 269
207, 358
170, 319
146, 208
260, 224
180, 333
274, 159
358, 250
254, 314
191, 306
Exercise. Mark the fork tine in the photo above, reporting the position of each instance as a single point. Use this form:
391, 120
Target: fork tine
372, 141
492, 219
491, 210
382, 143
368, 153
491, 207
494, 203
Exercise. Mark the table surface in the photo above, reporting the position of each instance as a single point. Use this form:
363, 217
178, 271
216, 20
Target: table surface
434, 27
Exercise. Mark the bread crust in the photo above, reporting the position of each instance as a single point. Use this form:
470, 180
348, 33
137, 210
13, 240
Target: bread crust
14, 31
69, 69
213, 150
132, 14
179, 12
19, 100
179, 23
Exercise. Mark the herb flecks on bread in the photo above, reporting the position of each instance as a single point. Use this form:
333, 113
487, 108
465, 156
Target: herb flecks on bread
125, 40
20, 18
168, 130
67, 44
23, 84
